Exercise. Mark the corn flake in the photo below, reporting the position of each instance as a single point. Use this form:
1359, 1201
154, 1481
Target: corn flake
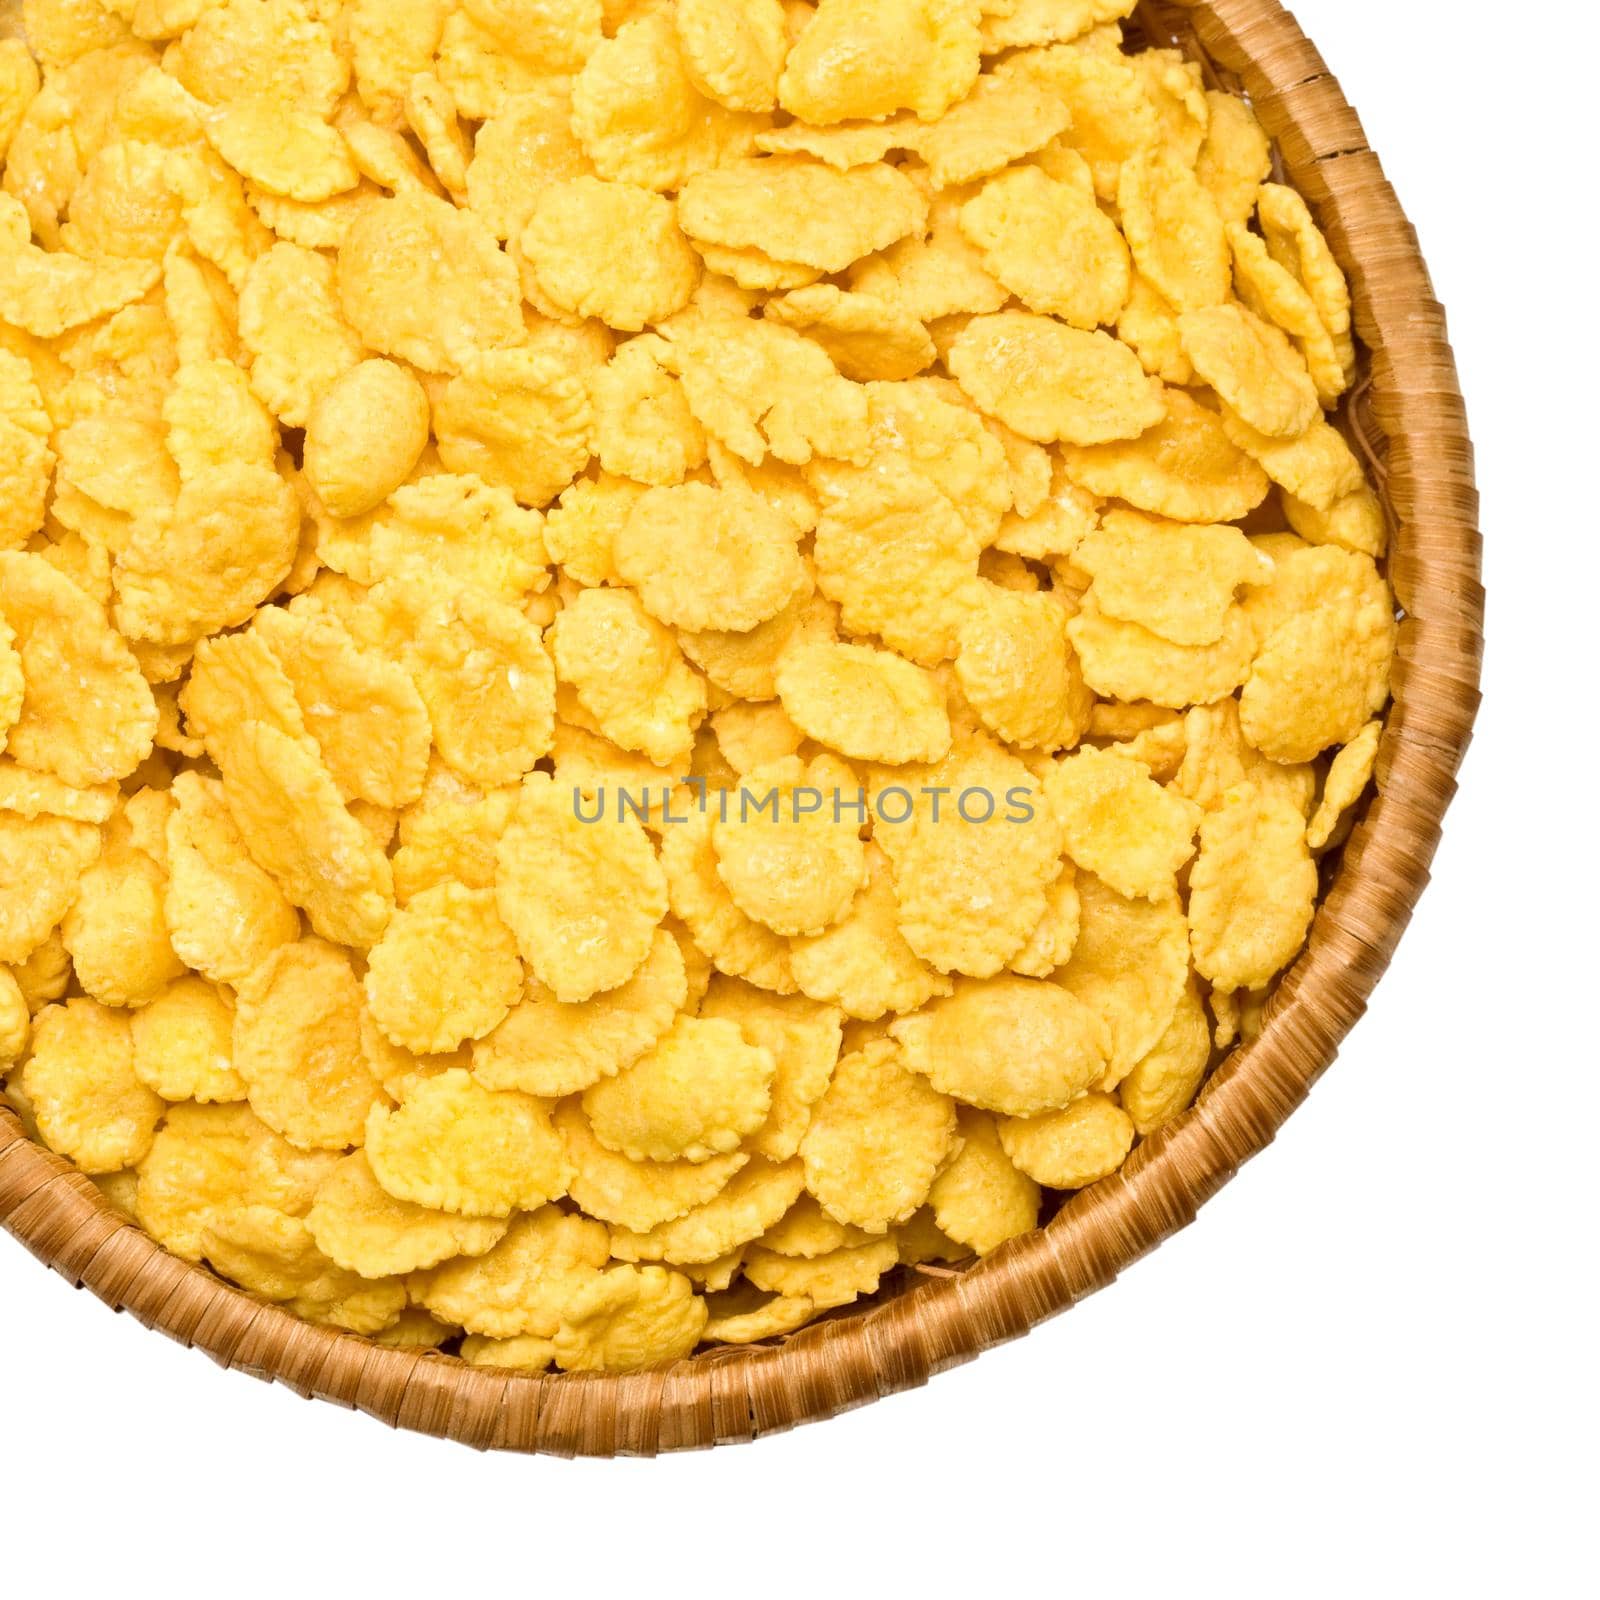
419, 280
297, 1046
86, 713
1348, 776
1073, 1147
520, 1286
1252, 889
628, 673
1051, 382
873, 57
877, 1139
981, 1199
80, 1082
749, 1203
363, 1228
1164, 1081
629, 1317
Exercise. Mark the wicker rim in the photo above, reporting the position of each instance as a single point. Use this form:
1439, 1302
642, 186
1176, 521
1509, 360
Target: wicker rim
1410, 411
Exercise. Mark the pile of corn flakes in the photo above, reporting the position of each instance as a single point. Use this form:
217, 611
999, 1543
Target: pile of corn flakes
459, 454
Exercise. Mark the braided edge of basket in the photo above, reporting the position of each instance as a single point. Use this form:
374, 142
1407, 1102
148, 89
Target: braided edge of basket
1413, 405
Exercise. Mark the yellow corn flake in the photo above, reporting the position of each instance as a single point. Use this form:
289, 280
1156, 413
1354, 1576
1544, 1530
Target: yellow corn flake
445, 970
208, 1161
80, 1082
629, 1317
236, 678
806, 1231
1007, 1044
524, 147
19, 84
731, 52
224, 914
290, 323
803, 1039
628, 674
609, 250
580, 529
221, 550
1277, 296
1166, 1079
694, 1094
836, 1279
708, 558
482, 671
1175, 231
1298, 246
759, 387
638, 1195
431, 113
271, 50
285, 150
1051, 245
117, 930
1119, 824
877, 1139
357, 1224
981, 1199
1050, 944
457, 526
1322, 673
745, 1315
1010, 112
183, 1044
1354, 522
361, 708
1316, 466
935, 273
638, 115
788, 852
970, 891
1018, 671
643, 427
866, 337
1051, 382
865, 703
874, 57
1126, 661
1217, 756
1177, 580
547, 1047
1255, 370
391, 41
48, 292
289, 813
523, 1352
522, 1285
1252, 889
582, 898
1235, 159
364, 435
86, 712
801, 210
743, 1209
1128, 966
41, 794
1071, 1148
297, 1046
899, 559
444, 839
419, 280
213, 418
275, 1257
862, 963
430, 1150
1348, 776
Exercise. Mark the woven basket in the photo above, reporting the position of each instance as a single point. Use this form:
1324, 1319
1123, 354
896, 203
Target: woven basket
1408, 415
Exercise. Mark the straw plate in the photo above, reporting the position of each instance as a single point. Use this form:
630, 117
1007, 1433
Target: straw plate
1407, 413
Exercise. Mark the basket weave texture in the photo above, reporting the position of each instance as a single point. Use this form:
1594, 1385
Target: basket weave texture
1409, 415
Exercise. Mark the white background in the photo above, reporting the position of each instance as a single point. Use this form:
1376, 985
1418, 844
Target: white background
1371, 1360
